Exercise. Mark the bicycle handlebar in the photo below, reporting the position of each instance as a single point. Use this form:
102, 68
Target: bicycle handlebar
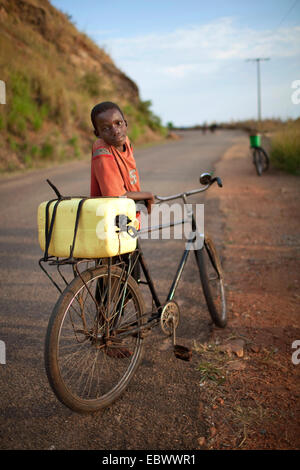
206, 177
177, 196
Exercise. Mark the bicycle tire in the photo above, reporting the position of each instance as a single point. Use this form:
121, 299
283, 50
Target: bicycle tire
266, 160
85, 373
209, 265
261, 160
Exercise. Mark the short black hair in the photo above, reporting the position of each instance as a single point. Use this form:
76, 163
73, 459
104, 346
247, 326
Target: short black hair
101, 107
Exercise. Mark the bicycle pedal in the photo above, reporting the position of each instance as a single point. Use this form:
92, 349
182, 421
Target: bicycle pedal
182, 352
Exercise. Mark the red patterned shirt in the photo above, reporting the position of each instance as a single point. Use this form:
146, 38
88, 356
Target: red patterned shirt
113, 173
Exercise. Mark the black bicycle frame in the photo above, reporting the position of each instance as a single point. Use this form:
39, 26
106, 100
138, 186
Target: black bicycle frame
141, 260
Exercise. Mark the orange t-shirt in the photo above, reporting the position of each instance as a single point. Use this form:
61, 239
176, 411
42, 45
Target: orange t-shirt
113, 172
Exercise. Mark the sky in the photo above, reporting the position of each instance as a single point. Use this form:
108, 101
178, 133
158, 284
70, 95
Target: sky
189, 57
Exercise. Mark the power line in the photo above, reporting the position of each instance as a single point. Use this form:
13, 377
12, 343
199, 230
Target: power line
287, 14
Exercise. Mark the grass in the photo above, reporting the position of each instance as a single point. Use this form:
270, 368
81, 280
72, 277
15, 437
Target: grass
229, 403
21, 106
212, 363
142, 118
252, 126
209, 371
54, 75
284, 140
285, 148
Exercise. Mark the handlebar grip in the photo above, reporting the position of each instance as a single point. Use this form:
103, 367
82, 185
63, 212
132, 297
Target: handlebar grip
219, 181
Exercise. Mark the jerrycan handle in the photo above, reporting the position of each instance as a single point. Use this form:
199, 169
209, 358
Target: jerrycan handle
55, 189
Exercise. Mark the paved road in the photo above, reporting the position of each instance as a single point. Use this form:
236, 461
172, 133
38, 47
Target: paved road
159, 410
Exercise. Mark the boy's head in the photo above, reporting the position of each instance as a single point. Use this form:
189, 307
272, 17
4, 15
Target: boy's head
109, 123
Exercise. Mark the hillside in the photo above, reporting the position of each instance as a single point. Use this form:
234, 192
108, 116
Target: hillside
54, 75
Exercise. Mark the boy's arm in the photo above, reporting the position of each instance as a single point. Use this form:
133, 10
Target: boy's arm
142, 196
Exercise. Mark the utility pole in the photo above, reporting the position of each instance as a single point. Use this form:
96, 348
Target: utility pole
257, 60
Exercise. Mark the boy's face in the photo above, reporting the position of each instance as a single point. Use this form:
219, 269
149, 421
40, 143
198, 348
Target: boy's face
111, 127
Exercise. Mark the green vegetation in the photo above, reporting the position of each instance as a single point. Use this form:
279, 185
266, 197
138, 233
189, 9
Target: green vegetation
90, 83
170, 125
24, 111
282, 139
251, 126
54, 75
209, 371
141, 119
285, 148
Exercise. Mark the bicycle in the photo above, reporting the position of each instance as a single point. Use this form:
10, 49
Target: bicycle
259, 155
95, 335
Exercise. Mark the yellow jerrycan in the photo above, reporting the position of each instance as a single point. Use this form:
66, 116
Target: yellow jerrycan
99, 235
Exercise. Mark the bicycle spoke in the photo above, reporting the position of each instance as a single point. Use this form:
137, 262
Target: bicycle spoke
94, 365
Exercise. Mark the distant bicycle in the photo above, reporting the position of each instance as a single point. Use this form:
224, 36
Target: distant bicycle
259, 155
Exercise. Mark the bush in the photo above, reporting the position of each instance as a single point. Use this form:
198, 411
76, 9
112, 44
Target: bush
46, 151
73, 142
135, 133
23, 109
285, 148
90, 83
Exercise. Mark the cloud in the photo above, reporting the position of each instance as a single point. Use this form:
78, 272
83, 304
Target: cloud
221, 39
204, 65
179, 71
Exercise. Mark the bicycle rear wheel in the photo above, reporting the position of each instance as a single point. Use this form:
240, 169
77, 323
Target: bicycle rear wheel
88, 362
261, 160
211, 277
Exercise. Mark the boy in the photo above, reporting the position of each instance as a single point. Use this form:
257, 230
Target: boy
113, 168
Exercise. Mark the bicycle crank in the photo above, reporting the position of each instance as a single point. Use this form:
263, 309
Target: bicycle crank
169, 321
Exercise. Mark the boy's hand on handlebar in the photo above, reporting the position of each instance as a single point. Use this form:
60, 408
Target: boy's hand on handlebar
149, 201
143, 196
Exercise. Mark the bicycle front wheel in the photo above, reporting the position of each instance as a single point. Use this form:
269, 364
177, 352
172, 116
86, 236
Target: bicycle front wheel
211, 277
89, 358
261, 160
